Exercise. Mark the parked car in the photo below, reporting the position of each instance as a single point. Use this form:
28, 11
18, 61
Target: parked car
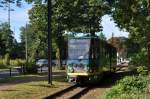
42, 62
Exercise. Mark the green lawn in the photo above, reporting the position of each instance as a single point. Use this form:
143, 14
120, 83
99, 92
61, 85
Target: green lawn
33, 89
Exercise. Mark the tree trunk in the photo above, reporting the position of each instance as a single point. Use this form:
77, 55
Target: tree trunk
148, 54
58, 56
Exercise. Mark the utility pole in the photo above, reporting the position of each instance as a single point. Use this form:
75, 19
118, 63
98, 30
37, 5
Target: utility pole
9, 31
9, 9
9, 14
49, 43
26, 47
111, 54
112, 38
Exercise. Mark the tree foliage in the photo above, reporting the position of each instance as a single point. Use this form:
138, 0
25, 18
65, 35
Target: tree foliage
134, 17
75, 15
102, 36
85, 16
72, 16
36, 45
7, 41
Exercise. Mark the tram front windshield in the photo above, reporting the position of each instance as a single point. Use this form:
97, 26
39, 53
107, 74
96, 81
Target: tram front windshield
78, 49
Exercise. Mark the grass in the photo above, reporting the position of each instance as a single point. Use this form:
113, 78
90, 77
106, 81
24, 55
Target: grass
19, 78
33, 89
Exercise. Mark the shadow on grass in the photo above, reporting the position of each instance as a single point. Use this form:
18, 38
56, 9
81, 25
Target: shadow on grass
58, 76
9, 90
107, 81
42, 85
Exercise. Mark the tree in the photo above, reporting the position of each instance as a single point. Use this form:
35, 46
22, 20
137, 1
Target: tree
133, 16
2, 46
35, 43
102, 36
7, 40
77, 16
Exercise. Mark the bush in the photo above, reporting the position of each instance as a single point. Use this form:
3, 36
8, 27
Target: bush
6, 60
31, 68
140, 58
13, 63
130, 87
142, 70
9, 63
2, 66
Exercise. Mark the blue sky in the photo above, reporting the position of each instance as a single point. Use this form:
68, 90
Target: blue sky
110, 27
19, 18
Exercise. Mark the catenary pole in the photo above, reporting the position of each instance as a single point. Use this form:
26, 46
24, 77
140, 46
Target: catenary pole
9, 14
49, 43
26, 48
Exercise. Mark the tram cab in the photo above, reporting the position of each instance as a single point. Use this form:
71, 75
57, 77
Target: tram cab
87, 56
78, 57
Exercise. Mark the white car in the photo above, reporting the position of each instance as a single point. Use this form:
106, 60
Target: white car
42, 62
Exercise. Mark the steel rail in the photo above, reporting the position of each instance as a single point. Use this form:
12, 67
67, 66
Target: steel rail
80, 94
59, 93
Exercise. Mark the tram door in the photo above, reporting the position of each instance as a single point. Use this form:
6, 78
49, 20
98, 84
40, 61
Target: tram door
95, 54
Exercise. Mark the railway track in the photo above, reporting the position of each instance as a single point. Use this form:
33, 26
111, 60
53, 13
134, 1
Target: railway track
72, 92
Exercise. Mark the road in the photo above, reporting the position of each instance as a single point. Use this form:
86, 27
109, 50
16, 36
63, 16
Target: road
6, 73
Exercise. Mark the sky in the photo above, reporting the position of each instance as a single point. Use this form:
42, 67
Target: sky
19, 17
110, 27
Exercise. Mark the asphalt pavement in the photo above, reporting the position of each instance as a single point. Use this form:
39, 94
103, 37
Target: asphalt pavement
6, 72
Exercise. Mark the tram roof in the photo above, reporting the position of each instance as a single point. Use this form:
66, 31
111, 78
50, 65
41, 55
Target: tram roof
96, 37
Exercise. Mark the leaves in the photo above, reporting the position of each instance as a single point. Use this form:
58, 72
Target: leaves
133, 16
7, 40
130, 87
148, 18
68, 15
